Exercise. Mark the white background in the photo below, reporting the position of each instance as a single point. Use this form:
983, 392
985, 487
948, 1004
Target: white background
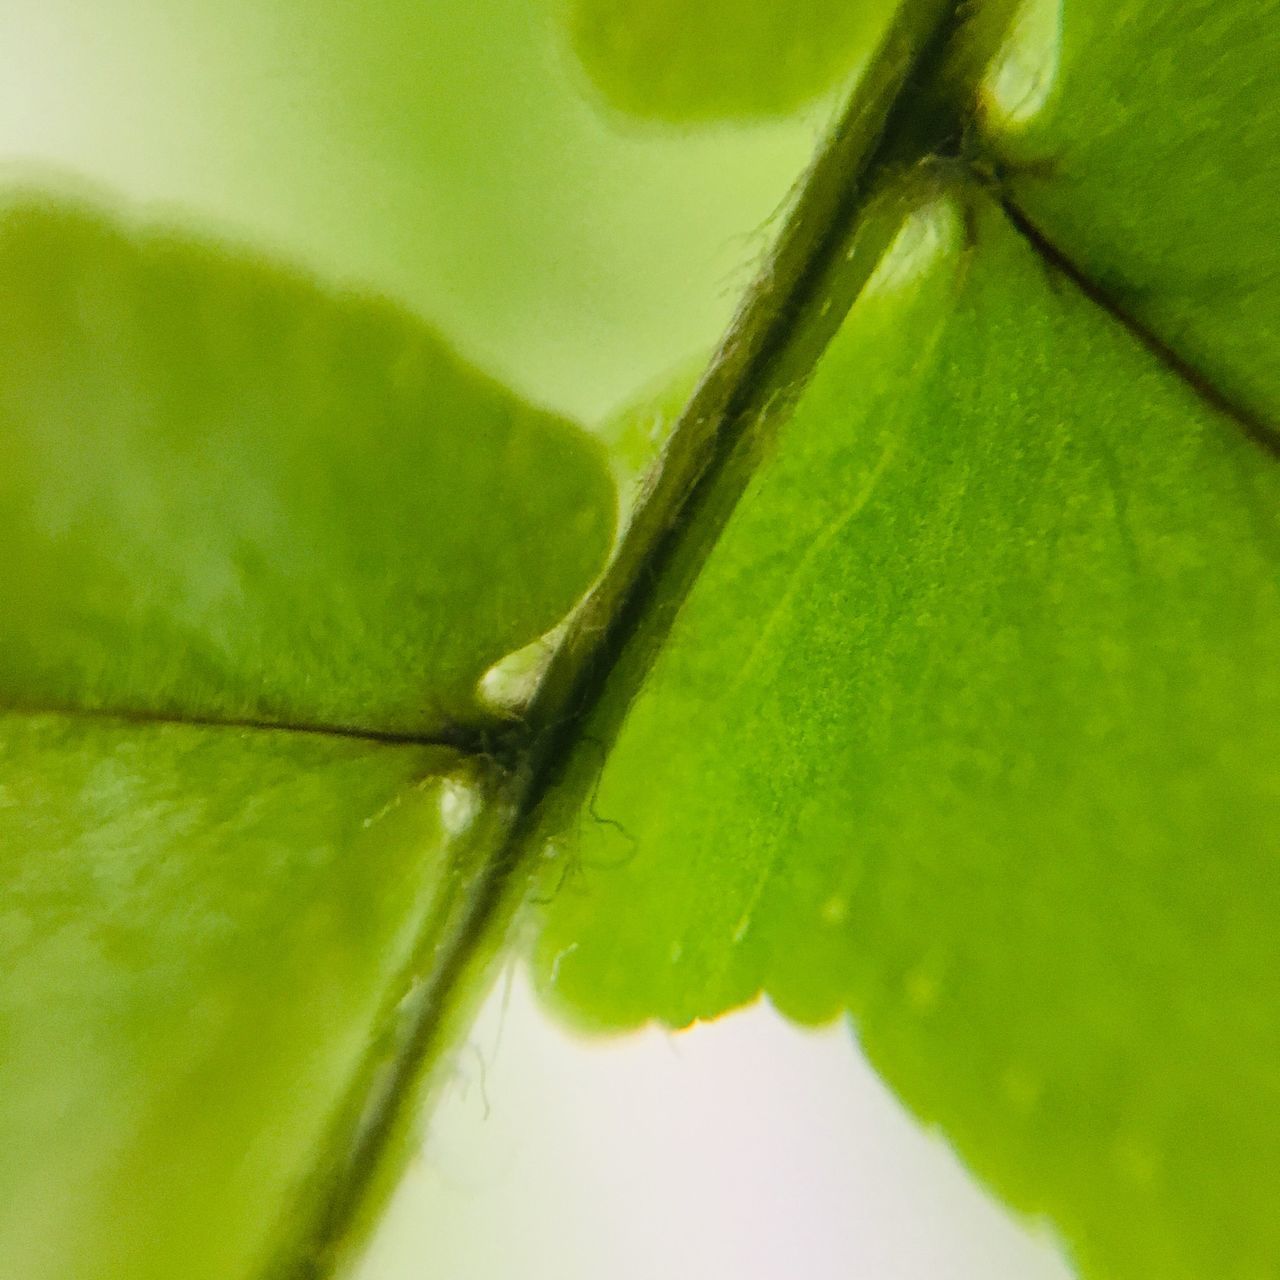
743, 1148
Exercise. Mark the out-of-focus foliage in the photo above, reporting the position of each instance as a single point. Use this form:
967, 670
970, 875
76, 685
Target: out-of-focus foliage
440, 152
722, 59
971, 727
203, 933
231, 501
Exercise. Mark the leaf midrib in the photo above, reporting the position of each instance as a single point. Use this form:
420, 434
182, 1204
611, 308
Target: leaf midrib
1251, 425
467, 740
773, 342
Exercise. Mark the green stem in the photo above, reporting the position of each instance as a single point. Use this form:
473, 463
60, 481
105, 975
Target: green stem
846, 211
848, 207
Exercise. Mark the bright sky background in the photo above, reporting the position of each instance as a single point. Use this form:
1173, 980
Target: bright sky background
743, 1148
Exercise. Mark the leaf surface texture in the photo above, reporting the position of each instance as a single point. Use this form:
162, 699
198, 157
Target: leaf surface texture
970, 727
1141, 139
202, 933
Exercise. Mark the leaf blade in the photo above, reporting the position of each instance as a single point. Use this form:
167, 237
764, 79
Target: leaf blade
1158, 183
995, 770
202, 927
210, 464
669, 61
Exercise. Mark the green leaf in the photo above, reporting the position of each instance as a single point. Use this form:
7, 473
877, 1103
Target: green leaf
297, 523
971, 726
202, 935
718, 60
968, 727
228, 494
1140, 138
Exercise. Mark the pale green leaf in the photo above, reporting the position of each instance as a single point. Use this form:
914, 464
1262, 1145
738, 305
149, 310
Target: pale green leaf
971, 726
202, 934
226, 493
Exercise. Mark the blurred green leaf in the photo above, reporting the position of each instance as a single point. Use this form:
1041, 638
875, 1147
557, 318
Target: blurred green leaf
720, 60
441, 152
227, 494
250, 528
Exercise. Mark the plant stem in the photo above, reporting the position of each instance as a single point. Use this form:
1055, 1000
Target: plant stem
909, 107
845, 212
